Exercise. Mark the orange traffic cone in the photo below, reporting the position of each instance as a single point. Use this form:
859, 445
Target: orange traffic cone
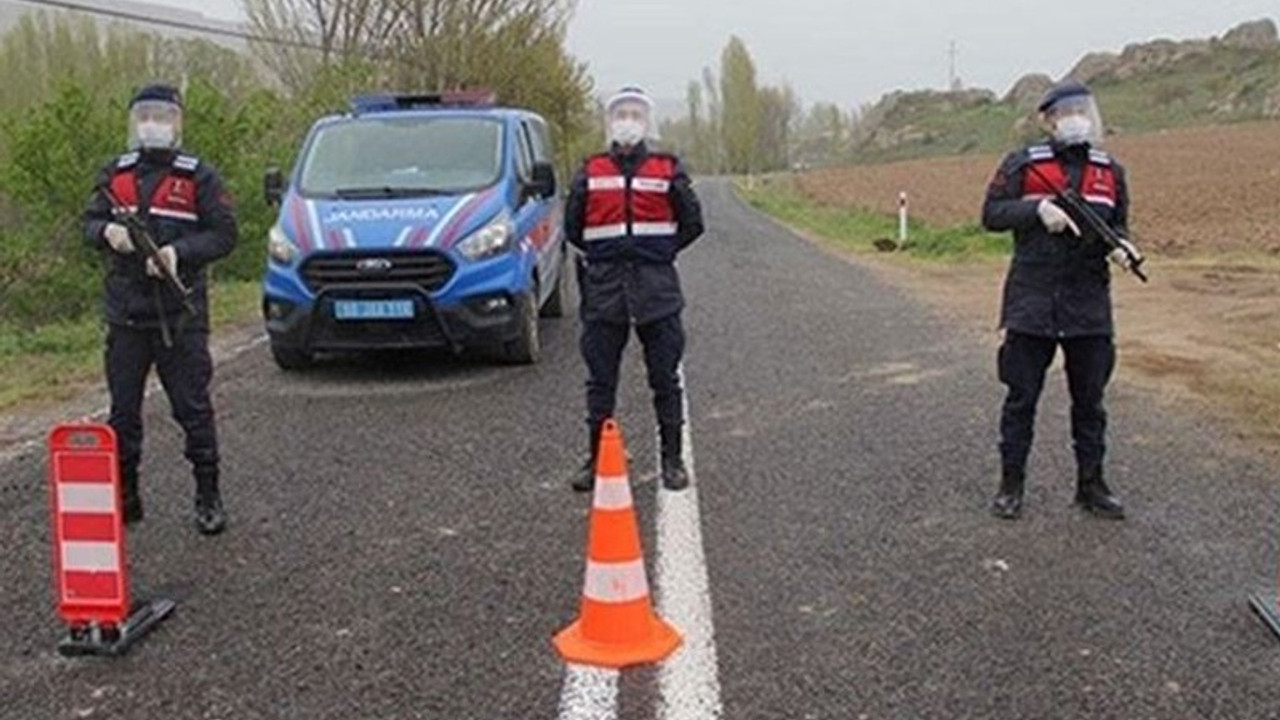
617, 627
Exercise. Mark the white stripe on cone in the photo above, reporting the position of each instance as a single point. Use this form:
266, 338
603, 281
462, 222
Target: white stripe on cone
90, 557
86, 498
615, 582
612, 493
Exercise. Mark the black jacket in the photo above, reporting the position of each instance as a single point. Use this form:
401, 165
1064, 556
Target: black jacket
632, 286
132, 297
1057, 285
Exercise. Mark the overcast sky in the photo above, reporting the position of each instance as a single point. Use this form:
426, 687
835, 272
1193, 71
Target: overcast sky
852, 51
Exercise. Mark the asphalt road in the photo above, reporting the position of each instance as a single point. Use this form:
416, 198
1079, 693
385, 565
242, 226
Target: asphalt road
404, 543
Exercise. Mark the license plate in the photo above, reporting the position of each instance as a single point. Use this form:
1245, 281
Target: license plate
373, 309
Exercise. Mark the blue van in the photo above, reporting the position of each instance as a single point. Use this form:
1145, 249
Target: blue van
416, 221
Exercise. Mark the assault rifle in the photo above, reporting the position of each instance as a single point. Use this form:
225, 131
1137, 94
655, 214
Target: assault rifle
1079, 208
141, 236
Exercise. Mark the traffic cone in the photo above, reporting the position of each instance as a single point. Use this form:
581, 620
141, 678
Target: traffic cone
617, 626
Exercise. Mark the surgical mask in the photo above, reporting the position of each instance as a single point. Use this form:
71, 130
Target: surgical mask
626, 132
1074, 130
155, 135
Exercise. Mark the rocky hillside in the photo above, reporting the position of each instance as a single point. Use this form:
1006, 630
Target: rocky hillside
1146, 86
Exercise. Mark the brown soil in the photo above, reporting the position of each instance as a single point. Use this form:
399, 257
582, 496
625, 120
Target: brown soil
1202, 336
1193, 191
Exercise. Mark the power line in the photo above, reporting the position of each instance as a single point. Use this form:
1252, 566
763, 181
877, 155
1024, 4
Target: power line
176, 24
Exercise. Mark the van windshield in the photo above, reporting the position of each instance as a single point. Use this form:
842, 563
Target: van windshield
403, 156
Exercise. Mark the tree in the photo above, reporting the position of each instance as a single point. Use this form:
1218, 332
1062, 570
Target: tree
696, 153
514, 47
304, 36
740, 120
715, 144
45, 50
779, 108
825, 135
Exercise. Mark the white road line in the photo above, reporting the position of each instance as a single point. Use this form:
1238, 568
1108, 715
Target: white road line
689, 681
589, 693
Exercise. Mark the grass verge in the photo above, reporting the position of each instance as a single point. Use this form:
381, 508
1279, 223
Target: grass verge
53, 362
858, 230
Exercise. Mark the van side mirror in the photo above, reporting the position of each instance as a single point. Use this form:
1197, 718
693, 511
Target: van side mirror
543, 183
273, 186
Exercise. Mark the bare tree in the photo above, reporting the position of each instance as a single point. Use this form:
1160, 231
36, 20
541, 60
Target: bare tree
513, 47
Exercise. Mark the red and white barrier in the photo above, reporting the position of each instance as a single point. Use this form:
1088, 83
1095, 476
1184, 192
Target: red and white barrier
91, 570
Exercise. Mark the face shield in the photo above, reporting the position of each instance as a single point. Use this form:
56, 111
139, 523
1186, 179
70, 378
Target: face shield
155, 125
1075, 120
629, 119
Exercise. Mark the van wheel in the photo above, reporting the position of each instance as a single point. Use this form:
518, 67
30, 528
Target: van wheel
526, 348
291, 359
558, 303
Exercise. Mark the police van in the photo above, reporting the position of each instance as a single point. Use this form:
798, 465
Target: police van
416, 221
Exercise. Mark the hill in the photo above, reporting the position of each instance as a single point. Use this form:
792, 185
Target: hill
1147, 86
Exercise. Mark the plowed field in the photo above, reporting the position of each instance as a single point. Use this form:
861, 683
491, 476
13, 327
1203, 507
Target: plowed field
1193, 191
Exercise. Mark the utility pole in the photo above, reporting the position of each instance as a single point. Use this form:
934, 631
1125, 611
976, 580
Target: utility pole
953, 82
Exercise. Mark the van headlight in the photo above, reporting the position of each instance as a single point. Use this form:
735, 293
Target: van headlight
496, 237
279, 248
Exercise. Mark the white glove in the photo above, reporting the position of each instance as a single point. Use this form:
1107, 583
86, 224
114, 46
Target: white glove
168, 256
1124, 259
117, 236
1055, 218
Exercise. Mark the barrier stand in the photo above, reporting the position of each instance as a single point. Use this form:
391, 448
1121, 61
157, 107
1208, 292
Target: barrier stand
90, 564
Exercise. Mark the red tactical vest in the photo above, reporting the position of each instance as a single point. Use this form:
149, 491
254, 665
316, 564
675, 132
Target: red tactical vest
650, 215
174, 197
1097, 184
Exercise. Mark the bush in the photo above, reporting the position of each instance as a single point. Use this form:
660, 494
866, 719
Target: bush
47, 272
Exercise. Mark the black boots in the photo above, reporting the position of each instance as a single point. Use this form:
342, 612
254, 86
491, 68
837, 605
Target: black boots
1008, 502
674, 474
585, 479
1093, 495
130, 500
211, 519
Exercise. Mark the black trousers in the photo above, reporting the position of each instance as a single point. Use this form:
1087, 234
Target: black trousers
602, 344
185, 371
1023, 361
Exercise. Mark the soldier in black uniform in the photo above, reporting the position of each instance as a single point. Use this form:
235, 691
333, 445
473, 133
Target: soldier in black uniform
183, 203
630, 211
1057, 293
